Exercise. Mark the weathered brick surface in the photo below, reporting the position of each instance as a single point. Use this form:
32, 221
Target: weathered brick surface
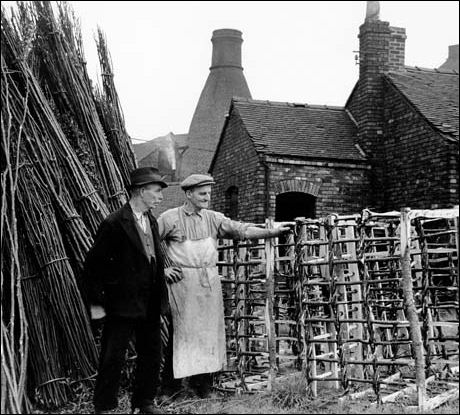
421, 169
238, 164
366, 101
396, 48
412, 164
339, 187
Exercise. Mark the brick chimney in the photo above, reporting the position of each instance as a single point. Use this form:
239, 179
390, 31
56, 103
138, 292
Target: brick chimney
225, 80
226, 50
397, 49
381, 49
451, 64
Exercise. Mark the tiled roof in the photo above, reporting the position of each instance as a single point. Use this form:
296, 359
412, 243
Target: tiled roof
144, 149
433, 93
299, 130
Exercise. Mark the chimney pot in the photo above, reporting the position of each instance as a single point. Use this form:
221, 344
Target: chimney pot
373, 11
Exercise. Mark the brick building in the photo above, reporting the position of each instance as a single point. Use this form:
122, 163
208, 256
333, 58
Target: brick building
264, 167
394, 144
408, 122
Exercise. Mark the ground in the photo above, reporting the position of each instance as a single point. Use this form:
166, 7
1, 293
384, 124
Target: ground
286, 398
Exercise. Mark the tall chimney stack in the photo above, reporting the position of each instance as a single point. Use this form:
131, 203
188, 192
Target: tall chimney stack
381, 49
451, 64
225, 80
226, 48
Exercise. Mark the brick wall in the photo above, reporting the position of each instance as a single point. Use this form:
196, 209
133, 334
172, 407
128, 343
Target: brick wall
238, 164
396, 48
366, 101
341, 188
421, 168
382, 48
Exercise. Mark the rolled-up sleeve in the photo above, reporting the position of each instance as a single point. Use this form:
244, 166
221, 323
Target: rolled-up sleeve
164, 226
168, 227
230, 229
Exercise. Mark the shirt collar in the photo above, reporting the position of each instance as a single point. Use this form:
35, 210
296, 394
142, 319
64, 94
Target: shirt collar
191, 212
137, 214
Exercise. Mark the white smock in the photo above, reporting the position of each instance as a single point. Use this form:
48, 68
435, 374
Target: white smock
197, 309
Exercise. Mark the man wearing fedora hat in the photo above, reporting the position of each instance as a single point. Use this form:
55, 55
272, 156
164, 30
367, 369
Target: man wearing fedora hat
191, 232
125, 283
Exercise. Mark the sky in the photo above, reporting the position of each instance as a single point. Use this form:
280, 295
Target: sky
294, 51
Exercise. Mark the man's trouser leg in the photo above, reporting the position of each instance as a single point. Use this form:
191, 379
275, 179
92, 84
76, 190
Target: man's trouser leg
115, 338
148, 348
169, 385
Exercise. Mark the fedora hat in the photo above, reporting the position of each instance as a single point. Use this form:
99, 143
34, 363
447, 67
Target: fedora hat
146, 175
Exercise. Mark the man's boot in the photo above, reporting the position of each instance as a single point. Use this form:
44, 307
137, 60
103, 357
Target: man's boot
169, 391
201, 384
146, 407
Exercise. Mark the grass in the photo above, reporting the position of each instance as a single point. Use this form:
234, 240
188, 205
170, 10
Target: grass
288, 397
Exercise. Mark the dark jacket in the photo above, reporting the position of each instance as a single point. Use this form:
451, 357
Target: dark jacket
118, 274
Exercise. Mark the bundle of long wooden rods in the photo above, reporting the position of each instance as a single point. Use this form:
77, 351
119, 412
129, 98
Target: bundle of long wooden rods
61, 340
63, 73
14, 327
111, 114
58, 175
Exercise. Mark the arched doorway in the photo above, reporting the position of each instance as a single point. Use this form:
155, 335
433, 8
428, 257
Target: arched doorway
290, 205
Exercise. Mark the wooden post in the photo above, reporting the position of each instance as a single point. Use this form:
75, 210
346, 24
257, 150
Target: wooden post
269, 306
409, 303
356, 296
334, 326
457, 229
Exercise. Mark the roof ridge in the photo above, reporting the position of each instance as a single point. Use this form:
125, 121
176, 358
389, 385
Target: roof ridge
430, 70
289, 104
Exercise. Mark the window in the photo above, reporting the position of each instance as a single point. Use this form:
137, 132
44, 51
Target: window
231, 202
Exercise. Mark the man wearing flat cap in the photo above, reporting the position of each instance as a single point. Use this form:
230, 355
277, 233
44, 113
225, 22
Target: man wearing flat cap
125, 283
191, 232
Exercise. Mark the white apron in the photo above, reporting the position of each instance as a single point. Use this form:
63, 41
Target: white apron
197, 308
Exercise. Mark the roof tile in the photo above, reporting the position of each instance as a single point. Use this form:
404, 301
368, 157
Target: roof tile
434, 94
299, 130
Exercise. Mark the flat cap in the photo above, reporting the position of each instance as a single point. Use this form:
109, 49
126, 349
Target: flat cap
195, 180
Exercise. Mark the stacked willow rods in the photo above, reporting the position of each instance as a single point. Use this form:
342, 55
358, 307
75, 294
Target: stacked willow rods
60, 178
59, 49
111, 114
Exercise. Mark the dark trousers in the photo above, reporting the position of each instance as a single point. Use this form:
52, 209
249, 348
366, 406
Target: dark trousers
115, 338
168, 383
